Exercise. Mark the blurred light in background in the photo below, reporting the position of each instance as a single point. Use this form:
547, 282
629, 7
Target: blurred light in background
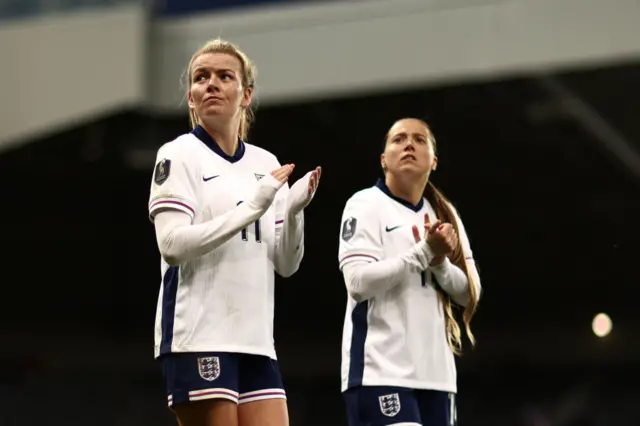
601, 325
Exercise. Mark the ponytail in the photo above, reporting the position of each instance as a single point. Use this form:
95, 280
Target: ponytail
445, 213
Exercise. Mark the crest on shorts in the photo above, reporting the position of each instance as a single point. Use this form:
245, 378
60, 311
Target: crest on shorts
258, 176
390, 404
349, 228
209, 367
161, 173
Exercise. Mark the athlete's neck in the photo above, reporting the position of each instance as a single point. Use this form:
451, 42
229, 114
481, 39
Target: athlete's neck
408, 188
226, 136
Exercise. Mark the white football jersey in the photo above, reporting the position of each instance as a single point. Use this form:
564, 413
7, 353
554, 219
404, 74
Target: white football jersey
396, 338
221, 301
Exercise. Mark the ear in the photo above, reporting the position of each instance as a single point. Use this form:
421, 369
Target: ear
383, 162
246, 97
435, 164
192, 105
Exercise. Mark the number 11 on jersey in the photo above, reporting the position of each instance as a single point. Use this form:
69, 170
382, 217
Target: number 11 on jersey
244, 233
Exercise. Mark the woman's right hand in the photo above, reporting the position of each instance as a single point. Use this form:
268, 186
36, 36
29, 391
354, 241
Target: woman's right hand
441, 237
269, 186
283, 173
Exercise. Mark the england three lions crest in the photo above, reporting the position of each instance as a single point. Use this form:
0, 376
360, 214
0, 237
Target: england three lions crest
209, 367
390, 404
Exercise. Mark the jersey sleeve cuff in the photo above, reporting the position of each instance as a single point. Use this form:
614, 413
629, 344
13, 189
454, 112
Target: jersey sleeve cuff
170, 203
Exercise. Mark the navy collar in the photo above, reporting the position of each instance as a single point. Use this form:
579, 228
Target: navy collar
200, 133
384, 188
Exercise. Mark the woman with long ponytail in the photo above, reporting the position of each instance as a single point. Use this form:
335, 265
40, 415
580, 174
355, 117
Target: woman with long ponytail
407, 266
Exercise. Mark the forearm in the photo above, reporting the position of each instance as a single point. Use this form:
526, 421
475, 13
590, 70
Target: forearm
180, 241
366, 279
289, 249
452, 280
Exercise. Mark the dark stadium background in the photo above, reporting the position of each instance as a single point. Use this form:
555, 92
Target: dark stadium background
551, 212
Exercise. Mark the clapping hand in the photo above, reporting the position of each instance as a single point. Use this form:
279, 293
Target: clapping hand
282, 174
303, 190
441, 237
267, 188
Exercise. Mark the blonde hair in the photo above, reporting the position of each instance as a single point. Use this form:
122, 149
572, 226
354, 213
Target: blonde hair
445, 212
249, 73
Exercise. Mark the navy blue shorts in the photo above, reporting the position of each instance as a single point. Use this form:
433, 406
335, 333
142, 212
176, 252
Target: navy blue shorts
240, 378
388, 405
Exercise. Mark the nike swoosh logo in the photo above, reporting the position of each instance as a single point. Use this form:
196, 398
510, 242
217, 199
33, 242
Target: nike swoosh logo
392, 228
206, 179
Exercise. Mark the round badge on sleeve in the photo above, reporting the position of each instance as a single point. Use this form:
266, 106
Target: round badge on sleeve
349, 228
161, 173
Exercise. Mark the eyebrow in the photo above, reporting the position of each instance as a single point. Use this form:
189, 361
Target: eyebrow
202, 68
415, 134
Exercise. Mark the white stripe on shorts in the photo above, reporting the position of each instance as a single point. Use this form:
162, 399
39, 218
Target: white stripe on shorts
213, 393
405, 424
262, 394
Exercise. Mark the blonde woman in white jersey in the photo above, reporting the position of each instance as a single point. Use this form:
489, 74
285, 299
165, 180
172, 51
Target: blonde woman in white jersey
407, 264
225, 219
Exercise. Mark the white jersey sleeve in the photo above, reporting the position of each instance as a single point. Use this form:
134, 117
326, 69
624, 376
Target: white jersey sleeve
281, 209
289, 247
361, 254
173, 185
360, 238
468, 255
179, 241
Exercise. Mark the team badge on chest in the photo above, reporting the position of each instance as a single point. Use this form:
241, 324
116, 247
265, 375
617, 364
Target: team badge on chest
390, 404
209, 368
